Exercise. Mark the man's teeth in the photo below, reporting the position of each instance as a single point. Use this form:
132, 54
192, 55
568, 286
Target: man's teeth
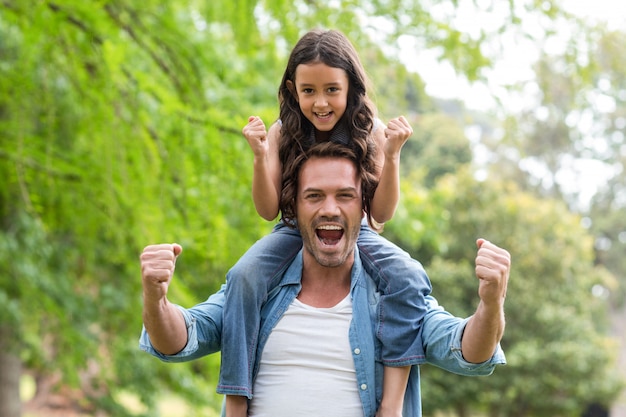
329, 227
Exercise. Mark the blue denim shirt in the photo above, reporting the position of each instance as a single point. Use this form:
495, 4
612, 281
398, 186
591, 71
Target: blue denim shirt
440, 333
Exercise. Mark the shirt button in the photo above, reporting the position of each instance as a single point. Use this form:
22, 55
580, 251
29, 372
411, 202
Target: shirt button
363, 387
357, 351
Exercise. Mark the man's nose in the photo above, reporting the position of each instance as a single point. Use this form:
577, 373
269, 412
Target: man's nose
330, 207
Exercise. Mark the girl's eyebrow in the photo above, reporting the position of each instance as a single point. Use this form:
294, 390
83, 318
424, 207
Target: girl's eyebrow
333, 83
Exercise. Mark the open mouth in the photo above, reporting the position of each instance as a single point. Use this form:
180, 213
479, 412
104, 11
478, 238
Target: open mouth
324, 116
329, 234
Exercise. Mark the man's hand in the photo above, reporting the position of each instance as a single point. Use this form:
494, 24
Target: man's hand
256, 135
157, 269
163, 321
486, 327
493, 265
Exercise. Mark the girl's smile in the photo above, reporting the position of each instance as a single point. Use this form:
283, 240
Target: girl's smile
322, 94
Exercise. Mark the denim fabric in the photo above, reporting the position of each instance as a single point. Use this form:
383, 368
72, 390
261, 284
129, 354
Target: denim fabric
401, 280
439, 336
249, 281
204, 330
403, 286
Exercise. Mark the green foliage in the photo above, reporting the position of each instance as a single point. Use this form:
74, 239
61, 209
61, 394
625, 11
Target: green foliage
558, 357
111, 144
438, 147
419, 221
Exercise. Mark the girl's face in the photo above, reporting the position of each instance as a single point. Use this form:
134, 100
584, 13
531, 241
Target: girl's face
322, 93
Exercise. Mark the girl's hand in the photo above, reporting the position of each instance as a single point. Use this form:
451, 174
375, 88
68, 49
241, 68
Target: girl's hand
256, 135
397, 133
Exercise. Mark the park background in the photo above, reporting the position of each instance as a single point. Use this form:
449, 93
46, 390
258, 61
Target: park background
120, 126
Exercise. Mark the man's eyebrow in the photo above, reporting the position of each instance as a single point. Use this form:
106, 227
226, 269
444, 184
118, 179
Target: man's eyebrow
352, 189
339, 190
312, 189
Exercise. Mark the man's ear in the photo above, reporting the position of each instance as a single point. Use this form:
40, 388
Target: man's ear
292, 89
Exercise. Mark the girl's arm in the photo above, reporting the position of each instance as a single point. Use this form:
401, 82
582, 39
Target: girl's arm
389, 142
266, 180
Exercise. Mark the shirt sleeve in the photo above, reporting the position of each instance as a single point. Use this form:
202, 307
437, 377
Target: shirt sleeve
441, 336
204, 331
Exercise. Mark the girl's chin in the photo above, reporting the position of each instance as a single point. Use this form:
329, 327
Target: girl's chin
324, 126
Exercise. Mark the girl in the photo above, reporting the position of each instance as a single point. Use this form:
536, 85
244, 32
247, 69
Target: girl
323, 97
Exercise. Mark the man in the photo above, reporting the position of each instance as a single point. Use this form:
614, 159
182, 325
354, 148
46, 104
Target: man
317, 352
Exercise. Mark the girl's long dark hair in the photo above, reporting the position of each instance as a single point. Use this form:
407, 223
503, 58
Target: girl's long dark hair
332, 48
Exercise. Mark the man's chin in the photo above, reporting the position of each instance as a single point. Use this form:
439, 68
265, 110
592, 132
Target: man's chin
331, 259
330, 262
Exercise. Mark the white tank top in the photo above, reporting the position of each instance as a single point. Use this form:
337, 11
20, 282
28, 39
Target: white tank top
306, 367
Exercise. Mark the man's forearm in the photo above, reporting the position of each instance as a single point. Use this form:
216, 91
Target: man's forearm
483, 333
166, 327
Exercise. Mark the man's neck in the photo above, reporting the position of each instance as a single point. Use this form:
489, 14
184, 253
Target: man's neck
324, 287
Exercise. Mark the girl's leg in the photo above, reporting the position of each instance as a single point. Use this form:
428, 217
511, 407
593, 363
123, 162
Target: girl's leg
247, 285
403, 285
236, 406
395, 381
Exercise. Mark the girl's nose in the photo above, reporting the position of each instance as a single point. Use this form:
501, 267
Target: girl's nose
320, 101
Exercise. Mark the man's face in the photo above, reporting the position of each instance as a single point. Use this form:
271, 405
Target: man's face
329, 209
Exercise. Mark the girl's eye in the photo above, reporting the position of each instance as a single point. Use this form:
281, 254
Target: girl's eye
307, 90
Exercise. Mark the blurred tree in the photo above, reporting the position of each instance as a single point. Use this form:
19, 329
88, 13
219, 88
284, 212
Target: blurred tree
573, 124
109, 143
608, 206
559, 359
438, 147
568, 142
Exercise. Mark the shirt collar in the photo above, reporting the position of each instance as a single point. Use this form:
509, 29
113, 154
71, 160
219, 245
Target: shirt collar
293, 275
